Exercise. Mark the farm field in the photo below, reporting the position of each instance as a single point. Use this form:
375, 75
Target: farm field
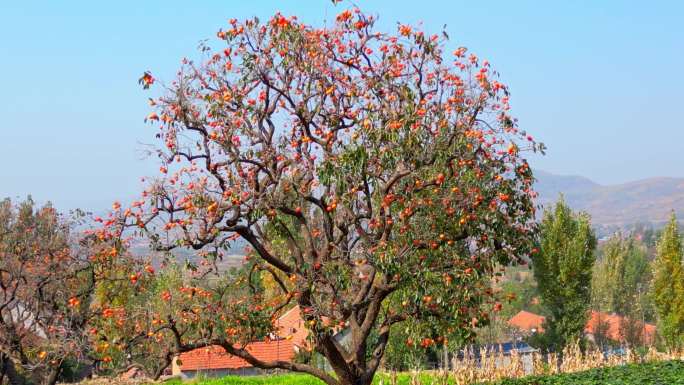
652, 373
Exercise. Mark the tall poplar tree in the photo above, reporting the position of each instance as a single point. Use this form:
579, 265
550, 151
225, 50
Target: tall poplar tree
620, 276
563, 269
668, 288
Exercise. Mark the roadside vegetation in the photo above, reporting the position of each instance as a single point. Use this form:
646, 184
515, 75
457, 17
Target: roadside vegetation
662, 373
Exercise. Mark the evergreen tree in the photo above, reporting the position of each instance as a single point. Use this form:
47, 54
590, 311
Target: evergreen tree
563, 269
668, 288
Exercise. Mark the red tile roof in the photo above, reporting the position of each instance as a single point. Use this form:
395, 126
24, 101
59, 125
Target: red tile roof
291, 326
614, 324
290, 330
527, 321
215, 357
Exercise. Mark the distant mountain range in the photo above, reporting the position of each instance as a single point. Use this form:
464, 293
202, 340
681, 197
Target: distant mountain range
648, 200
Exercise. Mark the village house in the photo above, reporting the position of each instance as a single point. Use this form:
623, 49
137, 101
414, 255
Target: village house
213, 361
290, 337
528, 322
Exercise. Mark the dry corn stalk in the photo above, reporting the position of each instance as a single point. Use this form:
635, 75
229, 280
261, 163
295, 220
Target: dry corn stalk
493, 364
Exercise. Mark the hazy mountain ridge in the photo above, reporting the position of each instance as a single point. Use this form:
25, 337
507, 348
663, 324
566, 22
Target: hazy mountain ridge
647, 200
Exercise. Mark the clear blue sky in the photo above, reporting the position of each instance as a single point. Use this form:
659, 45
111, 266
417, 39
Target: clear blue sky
600, 82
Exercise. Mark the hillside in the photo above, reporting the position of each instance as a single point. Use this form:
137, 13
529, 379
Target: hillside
648, 200
234, 257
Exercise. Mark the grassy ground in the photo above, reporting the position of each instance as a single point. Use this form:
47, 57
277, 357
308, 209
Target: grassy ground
301, 379
280, 379
657, 373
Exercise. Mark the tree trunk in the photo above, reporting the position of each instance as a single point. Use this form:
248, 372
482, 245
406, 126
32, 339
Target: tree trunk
363, 380
10, 371
51, 375
347, 376
2, 369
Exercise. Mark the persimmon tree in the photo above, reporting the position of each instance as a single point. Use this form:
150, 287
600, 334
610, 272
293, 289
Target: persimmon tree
374, 176
46, 286
131, 304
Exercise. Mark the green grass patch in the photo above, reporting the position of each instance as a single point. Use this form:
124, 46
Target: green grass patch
426, 378
276, 379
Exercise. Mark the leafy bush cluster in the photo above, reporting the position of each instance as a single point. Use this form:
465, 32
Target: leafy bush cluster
656, 373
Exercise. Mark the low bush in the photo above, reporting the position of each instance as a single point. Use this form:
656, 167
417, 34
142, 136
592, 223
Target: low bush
654, 373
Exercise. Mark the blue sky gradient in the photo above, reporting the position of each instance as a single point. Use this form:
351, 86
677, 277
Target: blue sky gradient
599, 82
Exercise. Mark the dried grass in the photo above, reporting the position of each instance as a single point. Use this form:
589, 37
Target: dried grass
494, 365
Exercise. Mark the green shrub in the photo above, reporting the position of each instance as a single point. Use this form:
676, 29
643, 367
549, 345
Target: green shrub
658, 373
